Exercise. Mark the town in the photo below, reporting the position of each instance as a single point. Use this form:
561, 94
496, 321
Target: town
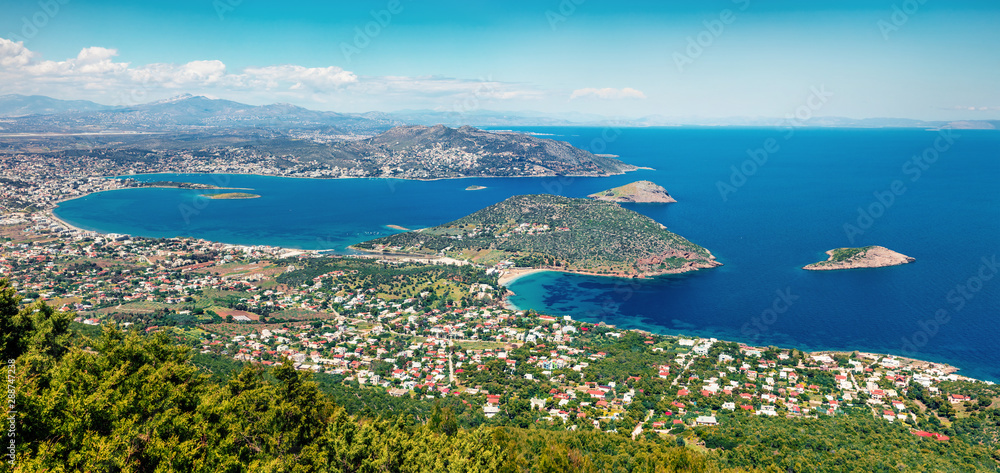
433, 332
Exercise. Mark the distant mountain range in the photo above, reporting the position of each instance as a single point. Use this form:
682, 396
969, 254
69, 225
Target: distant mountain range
37, 114
14, 105
185, 112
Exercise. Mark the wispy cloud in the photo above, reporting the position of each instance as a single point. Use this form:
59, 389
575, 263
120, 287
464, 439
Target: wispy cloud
608, 93
95, 71
973, 108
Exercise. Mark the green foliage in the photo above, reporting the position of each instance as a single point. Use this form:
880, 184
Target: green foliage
855, 442
131, 402
125, 401
35, 326
599, 236
844, 254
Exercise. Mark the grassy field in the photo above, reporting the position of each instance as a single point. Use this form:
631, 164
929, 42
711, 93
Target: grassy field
138, 307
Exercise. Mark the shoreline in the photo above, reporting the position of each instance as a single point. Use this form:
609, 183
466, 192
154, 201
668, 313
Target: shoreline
516, 273
50, 214
328, 178
127, 176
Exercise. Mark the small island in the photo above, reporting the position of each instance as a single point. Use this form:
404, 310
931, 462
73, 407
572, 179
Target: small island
231, 196
475, 188
636, 192
864, 257
554, 233
172, 184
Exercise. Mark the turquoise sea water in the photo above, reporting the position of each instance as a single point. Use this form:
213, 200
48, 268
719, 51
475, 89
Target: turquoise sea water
772, 217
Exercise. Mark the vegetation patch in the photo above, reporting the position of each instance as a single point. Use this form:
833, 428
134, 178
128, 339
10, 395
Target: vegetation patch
556, 232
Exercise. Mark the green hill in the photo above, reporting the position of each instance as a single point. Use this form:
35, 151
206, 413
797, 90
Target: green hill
557, 232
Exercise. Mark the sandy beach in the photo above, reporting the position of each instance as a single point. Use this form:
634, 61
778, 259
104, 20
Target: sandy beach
511, 275
52, 216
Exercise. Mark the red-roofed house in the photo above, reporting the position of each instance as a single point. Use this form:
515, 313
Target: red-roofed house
958, 398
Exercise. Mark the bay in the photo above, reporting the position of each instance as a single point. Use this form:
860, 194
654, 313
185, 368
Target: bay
763, 218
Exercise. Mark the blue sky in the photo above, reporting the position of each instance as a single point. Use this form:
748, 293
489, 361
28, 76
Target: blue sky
930, 60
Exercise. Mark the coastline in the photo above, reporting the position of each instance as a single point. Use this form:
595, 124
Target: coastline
126, 176
514, 274
327, 178
52, 215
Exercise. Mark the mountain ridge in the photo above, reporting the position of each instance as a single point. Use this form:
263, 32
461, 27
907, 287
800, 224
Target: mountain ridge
82, 112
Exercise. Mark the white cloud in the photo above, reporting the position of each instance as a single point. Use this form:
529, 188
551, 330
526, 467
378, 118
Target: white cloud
95, 75
94, 68
608, 93
298, 77
14, 54
95, 54
485, 89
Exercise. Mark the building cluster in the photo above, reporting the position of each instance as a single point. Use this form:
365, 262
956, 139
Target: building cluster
39, 181
418, 345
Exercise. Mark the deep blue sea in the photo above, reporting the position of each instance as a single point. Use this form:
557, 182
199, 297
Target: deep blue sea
763, 219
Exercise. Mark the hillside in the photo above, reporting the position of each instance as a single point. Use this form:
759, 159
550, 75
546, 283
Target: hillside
185, 112
99, 399
421, 152
579, 235
440, 151
14, 105
318, 150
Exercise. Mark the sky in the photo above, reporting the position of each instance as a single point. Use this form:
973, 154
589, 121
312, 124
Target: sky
920, 59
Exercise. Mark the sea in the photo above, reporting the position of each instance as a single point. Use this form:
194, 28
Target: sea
764, 201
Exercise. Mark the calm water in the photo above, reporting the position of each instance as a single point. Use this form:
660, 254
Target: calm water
783, 215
